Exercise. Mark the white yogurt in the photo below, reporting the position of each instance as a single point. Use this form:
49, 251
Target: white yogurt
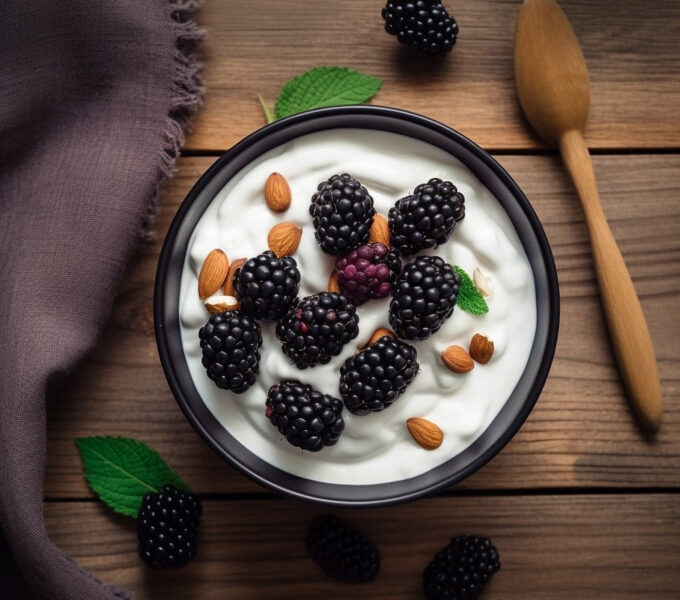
375, 448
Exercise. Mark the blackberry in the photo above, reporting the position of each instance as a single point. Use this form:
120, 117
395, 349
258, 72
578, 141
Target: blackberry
423, 297
367, 272
166, 528
371, 380
426, 218
422, 24
309, 419
316, 328
341, 551
267, 285
342, 211
231, 342
460, 571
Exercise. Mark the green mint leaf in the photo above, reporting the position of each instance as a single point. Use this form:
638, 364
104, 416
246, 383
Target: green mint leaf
121, 470
469, 298
267, 111
325, 86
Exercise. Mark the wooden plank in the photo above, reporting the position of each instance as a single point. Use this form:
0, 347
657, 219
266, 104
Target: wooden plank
633, 63
600, 547
581, 432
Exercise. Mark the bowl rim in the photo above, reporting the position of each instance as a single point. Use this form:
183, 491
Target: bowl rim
515, 410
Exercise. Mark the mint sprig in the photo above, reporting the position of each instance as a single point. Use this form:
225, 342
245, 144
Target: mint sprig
322, 86
469, 298
122, 470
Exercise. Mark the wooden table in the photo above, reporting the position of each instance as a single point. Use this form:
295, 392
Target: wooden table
579, 504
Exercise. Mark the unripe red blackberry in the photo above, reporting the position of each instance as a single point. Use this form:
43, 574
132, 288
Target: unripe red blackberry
367, 272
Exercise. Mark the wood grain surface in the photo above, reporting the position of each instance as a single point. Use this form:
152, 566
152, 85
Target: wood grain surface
581, 432
630, 47
557, 547
579, 503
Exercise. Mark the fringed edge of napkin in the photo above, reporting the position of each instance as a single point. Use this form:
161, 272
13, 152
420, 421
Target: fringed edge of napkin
187, 98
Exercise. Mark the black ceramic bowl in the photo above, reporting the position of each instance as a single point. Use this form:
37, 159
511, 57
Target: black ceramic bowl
490, 173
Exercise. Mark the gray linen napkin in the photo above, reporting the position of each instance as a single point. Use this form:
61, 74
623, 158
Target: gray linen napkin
93, 97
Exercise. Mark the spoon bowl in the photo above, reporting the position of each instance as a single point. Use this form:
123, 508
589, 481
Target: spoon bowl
550, 71
553, 89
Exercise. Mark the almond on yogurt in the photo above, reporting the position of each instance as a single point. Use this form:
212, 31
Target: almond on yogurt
213, 273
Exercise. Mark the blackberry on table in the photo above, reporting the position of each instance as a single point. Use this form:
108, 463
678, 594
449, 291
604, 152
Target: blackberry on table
231, 343
166, 528
460, 571
309, 419
316, 328
342, 212
371, 380
367, 272
267, 285
341, 551
423, 297
423, 24
426, 218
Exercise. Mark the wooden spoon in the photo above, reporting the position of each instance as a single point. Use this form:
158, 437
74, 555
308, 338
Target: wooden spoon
552, 83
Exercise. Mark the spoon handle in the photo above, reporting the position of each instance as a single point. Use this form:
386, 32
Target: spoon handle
625, 319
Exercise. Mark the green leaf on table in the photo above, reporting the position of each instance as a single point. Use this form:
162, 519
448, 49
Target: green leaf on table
267, 111
325, 86
121, 470
469, 298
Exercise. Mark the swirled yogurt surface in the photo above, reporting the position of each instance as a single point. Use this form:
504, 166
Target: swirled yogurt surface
375, 448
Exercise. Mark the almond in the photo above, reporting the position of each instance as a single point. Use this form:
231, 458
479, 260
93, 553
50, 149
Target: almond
284, 238
380, 231
277, 193
333, 285
228, 287
380, 332
481, 348
376, 335
482, 283
218, 304
425, 433
213, 273
457, 359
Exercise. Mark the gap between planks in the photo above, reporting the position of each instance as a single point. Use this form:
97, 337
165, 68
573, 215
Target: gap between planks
204, 152
461, 493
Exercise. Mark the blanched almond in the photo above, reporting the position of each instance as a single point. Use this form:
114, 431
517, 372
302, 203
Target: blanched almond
482, 283
213, 273
218, 304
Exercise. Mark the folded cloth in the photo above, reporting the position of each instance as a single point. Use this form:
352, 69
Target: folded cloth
93, 98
